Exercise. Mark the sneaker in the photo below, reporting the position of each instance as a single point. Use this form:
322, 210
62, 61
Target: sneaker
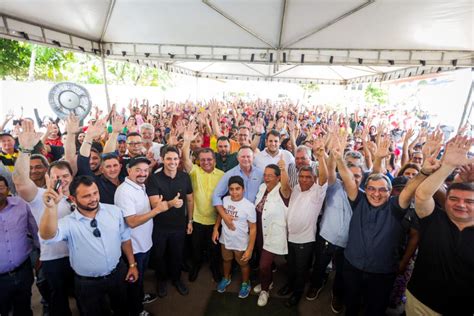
222, 285
149, 298
336, 304
258, 288
313, 293
263, 298
144, 313
244, 289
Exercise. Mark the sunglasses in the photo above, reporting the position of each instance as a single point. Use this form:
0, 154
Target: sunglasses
96, 231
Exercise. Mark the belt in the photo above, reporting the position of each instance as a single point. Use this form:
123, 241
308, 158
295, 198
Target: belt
21, 266
80, 277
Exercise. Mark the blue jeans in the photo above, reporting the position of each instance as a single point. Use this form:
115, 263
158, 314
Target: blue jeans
135, 290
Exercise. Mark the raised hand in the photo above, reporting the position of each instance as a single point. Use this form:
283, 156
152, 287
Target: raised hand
433, 144
466, 173
188, 133
318, 147
72, 124
281, 163
27, 137
456, 152
96, 129
51, 198
176, 202
383, 150
117, 123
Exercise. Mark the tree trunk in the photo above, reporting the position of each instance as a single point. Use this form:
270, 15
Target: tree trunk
31, 70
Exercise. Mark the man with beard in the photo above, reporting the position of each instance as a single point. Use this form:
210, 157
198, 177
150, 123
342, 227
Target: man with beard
97, 235
272, 152
54, 258
147, 132
170, 228
18, 226
132, 199
38, 167
108, 177
224, 159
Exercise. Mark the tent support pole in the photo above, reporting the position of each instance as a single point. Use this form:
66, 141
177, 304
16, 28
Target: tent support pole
104, 72
465, 114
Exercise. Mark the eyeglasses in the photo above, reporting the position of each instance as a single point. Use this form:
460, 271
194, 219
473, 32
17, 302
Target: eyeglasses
372, 189
96, 231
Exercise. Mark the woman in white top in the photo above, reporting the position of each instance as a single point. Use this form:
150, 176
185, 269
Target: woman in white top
271, 205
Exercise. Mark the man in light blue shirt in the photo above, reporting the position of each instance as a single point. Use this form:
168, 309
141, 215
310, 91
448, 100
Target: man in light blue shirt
252, 176
96, 234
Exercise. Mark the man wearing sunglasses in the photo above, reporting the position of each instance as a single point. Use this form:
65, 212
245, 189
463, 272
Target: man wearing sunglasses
96, 235
371, 258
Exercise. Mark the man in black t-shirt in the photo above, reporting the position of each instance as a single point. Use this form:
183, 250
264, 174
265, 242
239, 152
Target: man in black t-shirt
170, 228
443, 278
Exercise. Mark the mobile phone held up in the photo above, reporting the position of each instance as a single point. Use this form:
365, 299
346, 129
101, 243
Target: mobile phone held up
57, 185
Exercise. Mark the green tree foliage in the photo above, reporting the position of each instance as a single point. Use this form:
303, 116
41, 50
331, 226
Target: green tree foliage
374, 95
53, 64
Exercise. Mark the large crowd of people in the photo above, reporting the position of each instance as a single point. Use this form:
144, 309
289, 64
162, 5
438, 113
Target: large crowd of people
381, 198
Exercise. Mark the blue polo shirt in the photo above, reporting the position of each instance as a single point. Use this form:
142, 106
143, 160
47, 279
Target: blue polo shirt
374, 235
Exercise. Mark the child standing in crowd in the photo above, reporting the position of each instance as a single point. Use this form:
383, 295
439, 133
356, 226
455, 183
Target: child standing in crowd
237, 242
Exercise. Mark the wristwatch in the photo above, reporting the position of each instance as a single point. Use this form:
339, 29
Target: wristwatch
133, 265
190, 221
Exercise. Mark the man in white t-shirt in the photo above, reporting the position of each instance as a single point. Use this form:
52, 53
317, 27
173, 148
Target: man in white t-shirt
132, 199
54, 257
272, 152
303, 210
237, 243
147, 131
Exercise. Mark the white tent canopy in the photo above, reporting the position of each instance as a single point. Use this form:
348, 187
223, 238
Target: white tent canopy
330, 41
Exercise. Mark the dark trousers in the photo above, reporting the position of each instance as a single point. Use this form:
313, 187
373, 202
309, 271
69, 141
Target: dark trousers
170, 243
135, 290
60, 278
265, 273
324, 253
299, 258
91, 293
202, 241
15, 291
374, 288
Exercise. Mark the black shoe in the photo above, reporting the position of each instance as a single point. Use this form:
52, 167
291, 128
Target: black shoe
313, 293
181, 288
149, 298
285, 290
293, 300
337, 304
193, 274
162, 289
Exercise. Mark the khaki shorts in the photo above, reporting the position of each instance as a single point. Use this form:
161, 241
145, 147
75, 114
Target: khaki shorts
228, 255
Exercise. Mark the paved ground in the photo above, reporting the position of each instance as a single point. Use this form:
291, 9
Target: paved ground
200, 291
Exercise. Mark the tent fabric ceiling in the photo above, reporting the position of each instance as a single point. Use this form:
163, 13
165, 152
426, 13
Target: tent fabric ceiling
299, 39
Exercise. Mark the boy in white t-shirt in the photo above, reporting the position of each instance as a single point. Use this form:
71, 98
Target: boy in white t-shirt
237, 241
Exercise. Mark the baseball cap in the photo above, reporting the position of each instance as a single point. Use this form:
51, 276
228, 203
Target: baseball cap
122, 138
136, 160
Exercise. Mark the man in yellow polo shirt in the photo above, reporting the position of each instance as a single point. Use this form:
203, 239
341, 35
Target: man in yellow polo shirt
8, 153
204, 179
